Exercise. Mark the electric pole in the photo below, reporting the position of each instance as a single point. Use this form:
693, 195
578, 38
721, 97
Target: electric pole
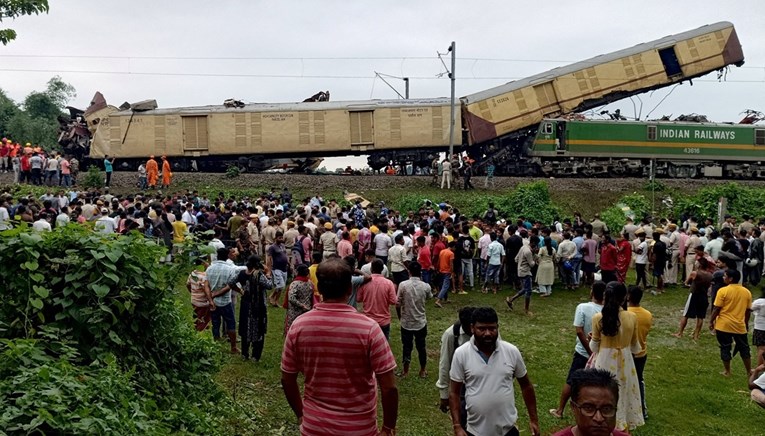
453, 50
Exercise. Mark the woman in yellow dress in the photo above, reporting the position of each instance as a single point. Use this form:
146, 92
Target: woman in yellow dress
614, 341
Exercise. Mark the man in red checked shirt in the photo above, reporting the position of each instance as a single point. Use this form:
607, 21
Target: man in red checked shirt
342, 371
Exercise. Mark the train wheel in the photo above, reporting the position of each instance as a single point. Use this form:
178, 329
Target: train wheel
616, 172
693, 172
673, 171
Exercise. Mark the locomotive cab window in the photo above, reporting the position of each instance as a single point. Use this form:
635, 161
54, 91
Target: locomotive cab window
759, 137
547, 128
652, 133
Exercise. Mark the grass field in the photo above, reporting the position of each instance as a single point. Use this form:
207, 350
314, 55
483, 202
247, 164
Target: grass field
686, 394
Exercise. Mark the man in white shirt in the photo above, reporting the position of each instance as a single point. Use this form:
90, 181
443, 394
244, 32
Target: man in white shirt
397, 258
487, 367
369, 256
42, 224
188, 216
714, 246
62, 219
454, 336
105, 224
5, 217
641, 258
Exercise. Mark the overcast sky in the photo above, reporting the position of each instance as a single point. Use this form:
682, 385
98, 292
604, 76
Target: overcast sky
287, 51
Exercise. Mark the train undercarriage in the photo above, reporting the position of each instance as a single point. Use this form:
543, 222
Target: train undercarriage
617, 168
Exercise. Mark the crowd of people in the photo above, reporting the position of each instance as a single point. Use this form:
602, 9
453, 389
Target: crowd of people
32, 165
320, 260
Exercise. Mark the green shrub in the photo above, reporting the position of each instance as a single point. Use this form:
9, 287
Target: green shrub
703, 204
531, 200
93, 178
232, 171
654, 185
110, 302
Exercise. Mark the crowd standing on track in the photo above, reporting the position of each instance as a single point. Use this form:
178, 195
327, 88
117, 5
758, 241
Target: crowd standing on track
328, 258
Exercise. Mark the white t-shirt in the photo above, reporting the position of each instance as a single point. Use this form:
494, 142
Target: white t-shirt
41, 226
758, 308
382, 244
489, 390
583, 318
642, 253
367, 269
760, 381
494, 252
105, 224
5, 219
62, 220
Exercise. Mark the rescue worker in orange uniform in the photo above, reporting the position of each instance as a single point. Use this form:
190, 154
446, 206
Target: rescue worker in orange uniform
167, 175
152, 172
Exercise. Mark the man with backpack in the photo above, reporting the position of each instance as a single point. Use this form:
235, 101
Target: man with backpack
454, 336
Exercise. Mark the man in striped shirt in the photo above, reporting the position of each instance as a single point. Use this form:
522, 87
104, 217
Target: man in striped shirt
344, 356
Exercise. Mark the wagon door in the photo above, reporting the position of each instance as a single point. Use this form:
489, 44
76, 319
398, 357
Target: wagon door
547, 99
671, 63
362, 130
195, 137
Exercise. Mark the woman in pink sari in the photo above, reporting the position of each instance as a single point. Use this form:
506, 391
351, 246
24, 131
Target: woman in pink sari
623, 256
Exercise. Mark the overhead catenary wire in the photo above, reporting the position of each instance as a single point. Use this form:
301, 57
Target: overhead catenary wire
313, 58
304, 76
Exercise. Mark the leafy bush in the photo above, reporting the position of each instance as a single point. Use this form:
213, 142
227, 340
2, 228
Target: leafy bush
232, 171
654, 185
639, 205
93, 178
531, 200
703, 204
614, 217
115, 315
48, 394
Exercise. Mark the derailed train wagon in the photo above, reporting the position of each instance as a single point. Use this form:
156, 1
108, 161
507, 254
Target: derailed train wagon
497, 124
631, 148
215, 137
501, 111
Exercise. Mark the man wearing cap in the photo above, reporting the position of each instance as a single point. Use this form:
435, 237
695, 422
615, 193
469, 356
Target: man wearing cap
673, 247
598, 226
446, 174
328, 241
167, 174
152, 172
691, 243
105, 224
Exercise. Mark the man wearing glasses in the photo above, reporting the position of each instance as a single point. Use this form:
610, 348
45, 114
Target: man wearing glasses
594, 396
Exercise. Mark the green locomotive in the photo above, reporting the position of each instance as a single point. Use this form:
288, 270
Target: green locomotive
591, 148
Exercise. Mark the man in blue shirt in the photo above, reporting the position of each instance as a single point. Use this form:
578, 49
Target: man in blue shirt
108, 167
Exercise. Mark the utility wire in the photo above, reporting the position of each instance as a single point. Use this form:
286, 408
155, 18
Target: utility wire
314, 58
304, 76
